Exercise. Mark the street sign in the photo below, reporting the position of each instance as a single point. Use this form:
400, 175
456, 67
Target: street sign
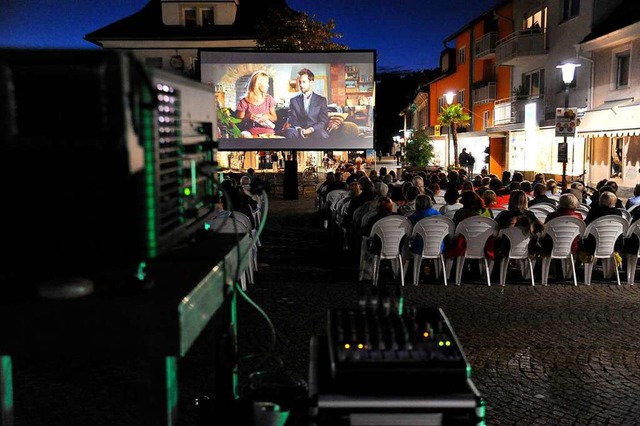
436, 130
566, 121
563, 152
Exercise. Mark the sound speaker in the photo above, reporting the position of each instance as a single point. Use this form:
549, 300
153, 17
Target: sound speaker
290, 184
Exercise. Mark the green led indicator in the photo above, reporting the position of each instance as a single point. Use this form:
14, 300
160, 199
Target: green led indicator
6, 386
187, 191
207, 226
171, 369
469, 370
440, 343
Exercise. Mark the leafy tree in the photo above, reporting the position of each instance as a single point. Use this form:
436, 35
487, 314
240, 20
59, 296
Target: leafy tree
454, 117
418, 150
287, 29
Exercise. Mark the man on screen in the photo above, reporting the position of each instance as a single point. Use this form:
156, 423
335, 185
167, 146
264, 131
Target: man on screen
308, 113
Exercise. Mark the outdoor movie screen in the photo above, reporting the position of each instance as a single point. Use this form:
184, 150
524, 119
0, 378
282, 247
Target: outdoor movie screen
294, 100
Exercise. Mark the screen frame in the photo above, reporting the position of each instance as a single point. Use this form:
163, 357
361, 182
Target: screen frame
217, 65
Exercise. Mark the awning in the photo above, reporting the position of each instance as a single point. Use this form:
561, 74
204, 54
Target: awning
614, 118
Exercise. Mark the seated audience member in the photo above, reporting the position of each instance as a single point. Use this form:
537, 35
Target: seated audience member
418, 182
506, 178
384, 208
586, 200
366, 194
635, 200
606, 206
540, 196
451, 197
477, 181
539, 178
471, 206
552, 188
502, 192
489, 199
467, 186
612, 186
235, 200
409, 205
527, 187
517, 211
338, 183
517, 177
424, 208
567, 206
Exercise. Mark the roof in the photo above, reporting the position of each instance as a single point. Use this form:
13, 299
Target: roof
627, 13
147, 24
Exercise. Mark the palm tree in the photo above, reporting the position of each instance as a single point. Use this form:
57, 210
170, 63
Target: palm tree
454, 116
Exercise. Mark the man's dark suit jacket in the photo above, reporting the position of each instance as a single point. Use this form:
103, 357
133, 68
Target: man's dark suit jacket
318, 116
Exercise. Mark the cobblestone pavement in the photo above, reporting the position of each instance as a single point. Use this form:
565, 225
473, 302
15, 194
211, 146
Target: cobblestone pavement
543, 355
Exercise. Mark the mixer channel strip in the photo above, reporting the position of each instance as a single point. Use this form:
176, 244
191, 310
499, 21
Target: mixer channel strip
371, 348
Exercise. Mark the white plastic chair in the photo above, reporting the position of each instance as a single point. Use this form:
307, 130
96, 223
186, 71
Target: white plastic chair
392, 231
626, 214
583, 209
563, 230
542, 210
254, 233
476, 230
606, 230
432, 230
632, 258
234, 225
329, 204
518, 250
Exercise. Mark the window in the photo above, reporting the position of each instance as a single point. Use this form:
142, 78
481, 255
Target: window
535, 21
533, 84
570, 9
441, 103
198, 17
461, 97
462, 55
622, 69
207, 17
486, 119
190, 17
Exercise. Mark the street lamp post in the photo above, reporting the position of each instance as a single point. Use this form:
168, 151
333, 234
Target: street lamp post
568, 74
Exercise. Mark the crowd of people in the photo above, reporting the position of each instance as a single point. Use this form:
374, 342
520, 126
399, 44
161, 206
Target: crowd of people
506, 199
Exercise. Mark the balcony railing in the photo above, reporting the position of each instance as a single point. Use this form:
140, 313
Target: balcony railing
485, 46
512, 110
519, 44
484, 94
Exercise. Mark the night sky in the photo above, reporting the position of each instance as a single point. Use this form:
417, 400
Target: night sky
407, 34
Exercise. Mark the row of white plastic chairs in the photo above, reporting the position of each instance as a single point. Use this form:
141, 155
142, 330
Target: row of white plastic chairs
477, 230
240, 224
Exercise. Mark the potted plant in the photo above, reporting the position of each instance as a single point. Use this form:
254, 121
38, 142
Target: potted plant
228, 124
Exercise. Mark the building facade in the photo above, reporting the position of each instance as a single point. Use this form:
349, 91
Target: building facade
503, 69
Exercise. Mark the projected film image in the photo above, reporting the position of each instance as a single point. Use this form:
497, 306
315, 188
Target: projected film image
292, 100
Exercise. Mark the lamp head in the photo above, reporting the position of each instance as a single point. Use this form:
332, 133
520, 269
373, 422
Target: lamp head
568, 72
449, 97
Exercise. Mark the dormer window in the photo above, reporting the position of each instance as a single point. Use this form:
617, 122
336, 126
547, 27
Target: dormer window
198, 17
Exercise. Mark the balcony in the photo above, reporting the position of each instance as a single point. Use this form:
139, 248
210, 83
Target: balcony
485, 46
484, 94
520, 44
512, 110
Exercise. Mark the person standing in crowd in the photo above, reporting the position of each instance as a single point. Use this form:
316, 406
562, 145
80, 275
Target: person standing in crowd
308, 111
257, 109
